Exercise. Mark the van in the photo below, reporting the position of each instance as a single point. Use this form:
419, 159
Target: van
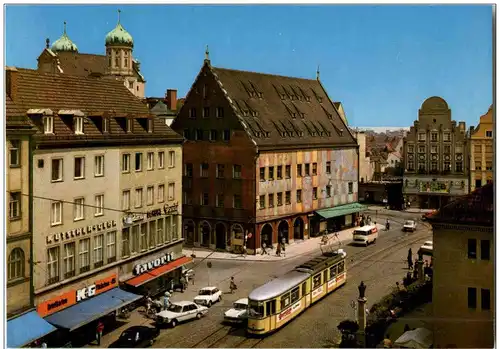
365, 235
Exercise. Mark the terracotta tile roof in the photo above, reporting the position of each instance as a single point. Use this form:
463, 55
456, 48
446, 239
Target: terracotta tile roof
83, 64
95, 97
476, 208
15, 116
89, 94
280, 110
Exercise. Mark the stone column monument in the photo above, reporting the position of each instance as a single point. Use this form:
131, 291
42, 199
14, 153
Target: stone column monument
362, 313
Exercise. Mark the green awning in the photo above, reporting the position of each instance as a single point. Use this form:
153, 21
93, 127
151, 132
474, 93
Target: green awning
341, 210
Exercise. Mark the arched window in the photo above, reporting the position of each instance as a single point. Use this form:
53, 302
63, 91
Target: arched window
16, 264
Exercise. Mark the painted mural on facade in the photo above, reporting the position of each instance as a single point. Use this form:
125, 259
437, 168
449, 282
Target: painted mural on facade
336, 168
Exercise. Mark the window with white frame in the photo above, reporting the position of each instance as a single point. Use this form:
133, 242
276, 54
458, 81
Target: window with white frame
15, 153
125, 242
78, 120
78, 209
411, 148
152, 233
161, 193
84, 253
237, 201
171, 191
111, 246
150, 195
125, 163
175, 232
69, 260
134, 239
53, 265
138, 162
138, 198
15, 205
161, 159
79, 167
237, 171
446, 136
48, 124
99, 205
171, 158
126, 200
151, 160
57, 170
56, 213
421, 136
98, 250
99, 165
15, 264
159, 231
144, 236
168, 229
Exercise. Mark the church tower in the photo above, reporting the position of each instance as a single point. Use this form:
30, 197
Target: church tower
119, 46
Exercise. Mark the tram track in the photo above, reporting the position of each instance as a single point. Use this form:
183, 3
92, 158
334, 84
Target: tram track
352, 262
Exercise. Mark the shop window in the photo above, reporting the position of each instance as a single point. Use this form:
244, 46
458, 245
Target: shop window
285, 301
294, 295
317, 281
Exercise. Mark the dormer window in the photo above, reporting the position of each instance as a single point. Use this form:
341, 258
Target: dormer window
78, 120
150, 125
48, 124
129, 125
105, 123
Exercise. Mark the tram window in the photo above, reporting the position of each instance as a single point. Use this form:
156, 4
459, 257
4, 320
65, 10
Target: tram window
271, 307
285, 300
304, 289
333, 271
294, 296
341, 267
256, 310
316, 280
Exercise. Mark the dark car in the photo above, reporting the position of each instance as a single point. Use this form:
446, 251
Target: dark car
136, 337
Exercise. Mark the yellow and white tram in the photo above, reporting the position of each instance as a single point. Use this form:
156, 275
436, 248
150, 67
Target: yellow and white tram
275, 303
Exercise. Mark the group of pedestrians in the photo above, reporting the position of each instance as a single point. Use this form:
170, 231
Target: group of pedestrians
280, 248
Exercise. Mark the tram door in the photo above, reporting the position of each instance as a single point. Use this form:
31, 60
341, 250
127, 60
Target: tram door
270, 313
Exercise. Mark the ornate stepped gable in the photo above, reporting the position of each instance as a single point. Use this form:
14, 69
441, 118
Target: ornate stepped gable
279, 110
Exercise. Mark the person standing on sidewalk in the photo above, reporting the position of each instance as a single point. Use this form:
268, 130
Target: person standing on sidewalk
278, 250
283, 242
99, 331
263, 249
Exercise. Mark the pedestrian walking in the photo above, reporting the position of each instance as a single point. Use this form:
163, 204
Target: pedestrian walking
149, 303
166, 300
99, 331
278, 250
232, 285
283, 243
183, 283
263, 250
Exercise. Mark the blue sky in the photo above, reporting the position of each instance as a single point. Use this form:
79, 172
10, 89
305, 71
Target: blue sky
380, 61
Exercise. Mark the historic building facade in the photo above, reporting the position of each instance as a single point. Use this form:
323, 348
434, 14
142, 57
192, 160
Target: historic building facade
263, 154
463, 292
107, 194
19, 234
436, 157
481, 151
118, 61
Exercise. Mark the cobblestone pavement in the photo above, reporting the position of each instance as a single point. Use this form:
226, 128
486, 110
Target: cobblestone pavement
316, 327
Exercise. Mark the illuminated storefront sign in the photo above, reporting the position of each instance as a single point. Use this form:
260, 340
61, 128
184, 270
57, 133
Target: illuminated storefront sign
155, 263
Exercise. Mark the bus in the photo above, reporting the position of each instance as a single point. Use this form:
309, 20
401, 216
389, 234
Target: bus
275, 303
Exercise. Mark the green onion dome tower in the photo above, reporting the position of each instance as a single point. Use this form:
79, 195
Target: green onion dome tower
64, 43
119, 47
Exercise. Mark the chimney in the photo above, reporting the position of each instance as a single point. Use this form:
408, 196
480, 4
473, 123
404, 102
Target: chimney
171, 99
11, 76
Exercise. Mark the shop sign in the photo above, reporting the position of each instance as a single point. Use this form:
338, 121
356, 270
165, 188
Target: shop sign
72, 297
131, 218
154, 213
70, 234
289, 311
155, 263
171, 209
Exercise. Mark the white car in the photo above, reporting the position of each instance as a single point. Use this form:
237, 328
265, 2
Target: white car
410, 225
208, 296
426, 248
179, 312
238, 313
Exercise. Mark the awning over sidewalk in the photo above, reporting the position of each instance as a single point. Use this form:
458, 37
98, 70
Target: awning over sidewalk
26, 328
87, 311
341, 210
153, 274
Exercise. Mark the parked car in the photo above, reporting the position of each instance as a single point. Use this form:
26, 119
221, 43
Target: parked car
410, 225
426, 248
238, 313
208, 296
179, 312
136, 337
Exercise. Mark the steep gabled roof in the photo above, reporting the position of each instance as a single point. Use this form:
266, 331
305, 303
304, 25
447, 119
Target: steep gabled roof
476, 208
282, 111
